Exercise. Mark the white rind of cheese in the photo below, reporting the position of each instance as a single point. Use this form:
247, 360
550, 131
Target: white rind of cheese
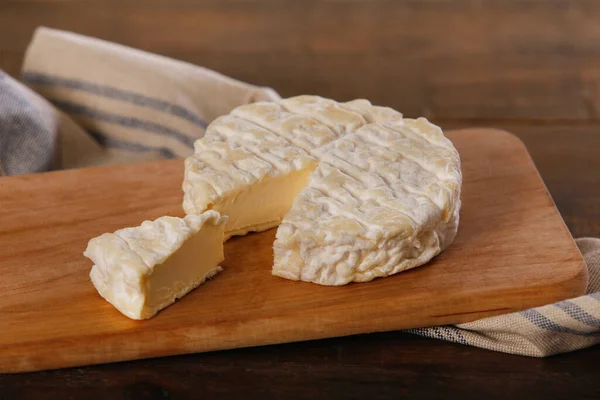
372, 208
360, 191
239, 163
144, 269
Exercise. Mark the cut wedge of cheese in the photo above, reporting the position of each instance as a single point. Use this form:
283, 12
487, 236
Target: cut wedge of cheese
144, 269
245, 172
360, 192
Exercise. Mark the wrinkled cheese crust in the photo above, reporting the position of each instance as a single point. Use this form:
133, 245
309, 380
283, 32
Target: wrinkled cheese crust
144, 269
383, 193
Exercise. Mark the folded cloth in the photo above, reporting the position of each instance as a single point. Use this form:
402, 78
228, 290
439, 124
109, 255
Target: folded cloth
36, 137
135, 105
538, 332
131, 106
28, 130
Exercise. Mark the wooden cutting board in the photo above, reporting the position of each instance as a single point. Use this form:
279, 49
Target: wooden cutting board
512, 252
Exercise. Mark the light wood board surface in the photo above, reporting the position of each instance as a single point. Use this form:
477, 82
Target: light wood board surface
512, 252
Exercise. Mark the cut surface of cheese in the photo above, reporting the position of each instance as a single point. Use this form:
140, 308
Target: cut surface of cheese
245, 172
382, 194
144, 269
263, 205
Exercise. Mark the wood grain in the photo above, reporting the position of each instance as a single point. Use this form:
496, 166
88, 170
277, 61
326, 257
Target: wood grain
375, 366
567, 158
51, 317
445, 60
543, 60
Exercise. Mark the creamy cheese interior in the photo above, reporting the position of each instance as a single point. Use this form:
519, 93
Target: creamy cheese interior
263, 205
358, 191
195, 261
141, 270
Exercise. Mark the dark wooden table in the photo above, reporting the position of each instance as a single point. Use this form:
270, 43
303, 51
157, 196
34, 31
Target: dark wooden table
532, 67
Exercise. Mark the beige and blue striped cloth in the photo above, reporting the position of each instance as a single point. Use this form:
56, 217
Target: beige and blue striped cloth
123, 105
83, 102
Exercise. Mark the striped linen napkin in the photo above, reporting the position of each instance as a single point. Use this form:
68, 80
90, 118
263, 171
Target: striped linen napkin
128, 105
538, 332
102, 103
